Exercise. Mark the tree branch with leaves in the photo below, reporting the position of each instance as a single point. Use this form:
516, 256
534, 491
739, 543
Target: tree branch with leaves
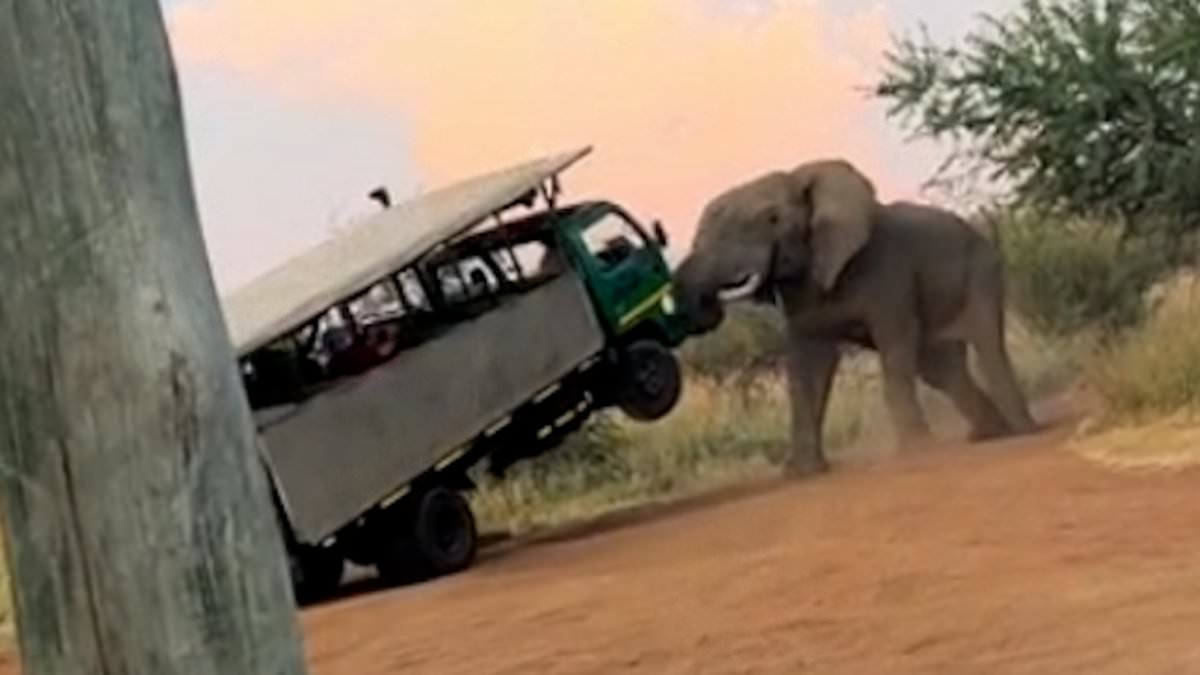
1086, 107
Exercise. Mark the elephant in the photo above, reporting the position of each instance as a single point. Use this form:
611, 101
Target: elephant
914, 283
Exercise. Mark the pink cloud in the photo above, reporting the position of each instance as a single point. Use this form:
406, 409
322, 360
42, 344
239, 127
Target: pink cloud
680, 101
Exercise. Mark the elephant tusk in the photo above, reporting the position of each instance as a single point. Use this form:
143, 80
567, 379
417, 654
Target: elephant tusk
742, 291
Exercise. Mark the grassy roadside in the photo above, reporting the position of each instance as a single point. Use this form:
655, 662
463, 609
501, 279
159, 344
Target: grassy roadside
725, 430
1147, 384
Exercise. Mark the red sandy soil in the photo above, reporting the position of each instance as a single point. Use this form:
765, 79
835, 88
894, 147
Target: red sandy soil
1005, 558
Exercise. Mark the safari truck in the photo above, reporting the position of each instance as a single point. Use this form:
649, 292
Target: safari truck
480, 322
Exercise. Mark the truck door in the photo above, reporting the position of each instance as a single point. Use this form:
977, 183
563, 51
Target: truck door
625, 272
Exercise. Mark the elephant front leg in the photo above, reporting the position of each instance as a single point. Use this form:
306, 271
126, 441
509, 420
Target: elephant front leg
811, 368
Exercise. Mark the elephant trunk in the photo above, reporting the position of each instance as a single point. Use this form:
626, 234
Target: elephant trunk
696, 292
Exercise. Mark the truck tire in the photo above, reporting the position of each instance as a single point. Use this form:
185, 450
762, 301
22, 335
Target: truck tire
651, 380
440, 538
316, 572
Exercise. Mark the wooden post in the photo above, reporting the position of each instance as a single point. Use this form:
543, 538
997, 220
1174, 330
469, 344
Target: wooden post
140, 535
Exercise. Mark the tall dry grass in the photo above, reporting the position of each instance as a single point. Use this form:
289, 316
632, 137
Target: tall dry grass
1147, 383
725, 430
7, 614
717, 434
1154, 371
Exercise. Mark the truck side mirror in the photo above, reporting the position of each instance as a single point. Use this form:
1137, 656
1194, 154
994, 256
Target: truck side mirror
660, 235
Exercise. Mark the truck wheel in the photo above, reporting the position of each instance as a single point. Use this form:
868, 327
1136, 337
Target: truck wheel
440, 539
650, 381
316, 572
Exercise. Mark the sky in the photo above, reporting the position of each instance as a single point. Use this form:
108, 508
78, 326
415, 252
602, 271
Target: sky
295, 109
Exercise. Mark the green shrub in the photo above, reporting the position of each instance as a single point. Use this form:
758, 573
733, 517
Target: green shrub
751, 338
1069, 275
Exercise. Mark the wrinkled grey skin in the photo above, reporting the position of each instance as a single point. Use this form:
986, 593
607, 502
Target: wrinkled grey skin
915, 283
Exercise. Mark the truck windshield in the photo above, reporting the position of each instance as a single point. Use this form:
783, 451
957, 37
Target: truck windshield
612, 238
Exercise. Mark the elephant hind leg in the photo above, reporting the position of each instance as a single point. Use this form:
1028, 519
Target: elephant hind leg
944, 367
986, 334
899, 354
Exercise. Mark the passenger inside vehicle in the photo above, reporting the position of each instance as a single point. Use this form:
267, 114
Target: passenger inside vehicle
552, 264
400, 312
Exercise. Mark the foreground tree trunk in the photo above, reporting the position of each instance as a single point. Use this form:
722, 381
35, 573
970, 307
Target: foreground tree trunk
140, 534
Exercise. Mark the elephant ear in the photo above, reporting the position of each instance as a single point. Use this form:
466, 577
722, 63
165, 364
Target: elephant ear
842, 205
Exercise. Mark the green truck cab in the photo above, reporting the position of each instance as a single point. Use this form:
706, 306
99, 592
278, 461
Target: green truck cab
625, 271
629, 283
443, 333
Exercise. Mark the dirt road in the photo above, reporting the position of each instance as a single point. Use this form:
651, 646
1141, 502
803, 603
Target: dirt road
1018, 559
991, 559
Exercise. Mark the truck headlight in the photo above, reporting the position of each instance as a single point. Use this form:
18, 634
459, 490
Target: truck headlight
668, 304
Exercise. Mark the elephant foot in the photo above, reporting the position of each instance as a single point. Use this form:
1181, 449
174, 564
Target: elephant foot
986, 436
1027, 427
990, 432
999, 432
805, 468
913, 439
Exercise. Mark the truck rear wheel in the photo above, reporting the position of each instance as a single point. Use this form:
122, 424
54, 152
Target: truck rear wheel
316, 572
651, 381
439, 538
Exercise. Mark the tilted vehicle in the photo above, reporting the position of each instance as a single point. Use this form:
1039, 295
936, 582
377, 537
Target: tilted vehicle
385, 363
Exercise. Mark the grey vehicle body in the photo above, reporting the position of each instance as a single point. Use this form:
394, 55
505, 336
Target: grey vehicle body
340, 453
498, 358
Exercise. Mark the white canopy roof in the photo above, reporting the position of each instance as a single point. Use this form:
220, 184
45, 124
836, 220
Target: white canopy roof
286, 297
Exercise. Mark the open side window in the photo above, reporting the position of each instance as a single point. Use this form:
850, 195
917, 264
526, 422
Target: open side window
612, 239
453, 284
520, 254
283, 371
